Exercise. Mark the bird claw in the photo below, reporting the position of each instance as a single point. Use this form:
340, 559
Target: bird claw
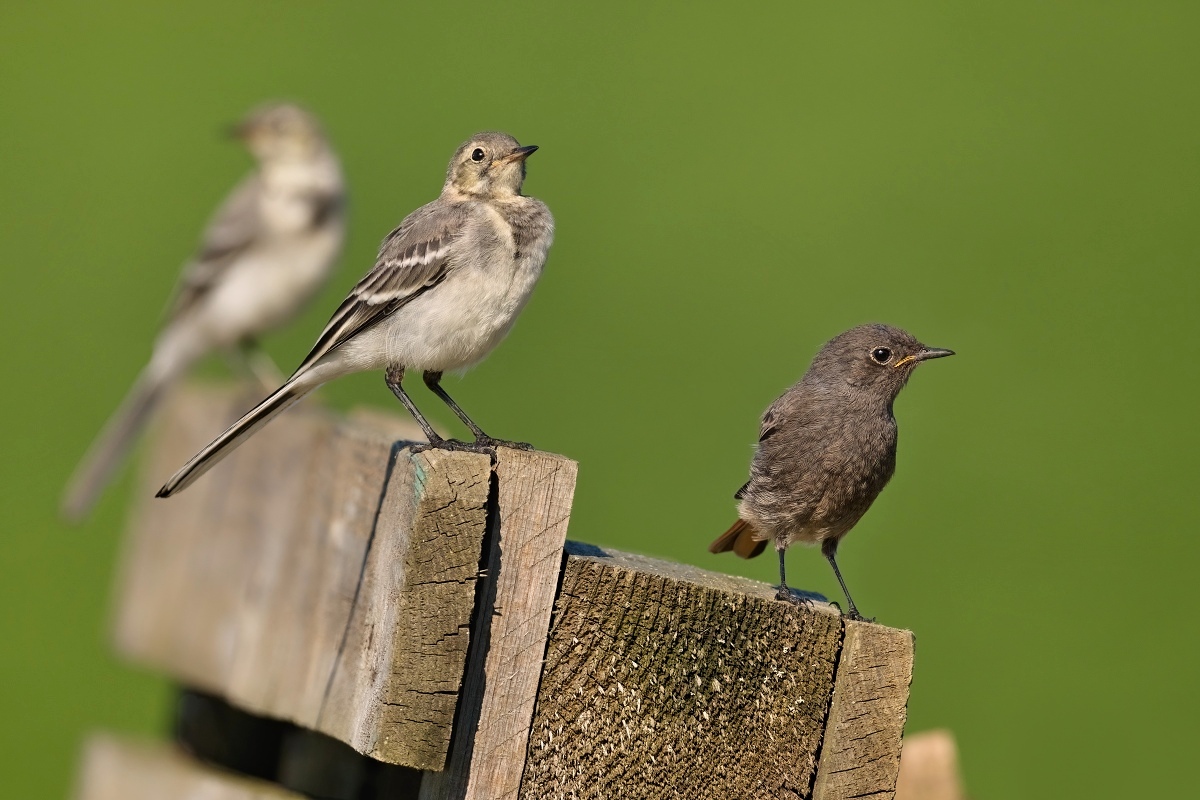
484, 444
488, 441
449, 444
785, 594
851, 614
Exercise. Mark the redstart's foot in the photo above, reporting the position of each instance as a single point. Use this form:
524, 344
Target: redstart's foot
488, 441
851, 614
785, 594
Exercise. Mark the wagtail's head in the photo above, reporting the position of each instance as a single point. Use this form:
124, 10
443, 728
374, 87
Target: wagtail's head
877, 359
488, 165
281, 132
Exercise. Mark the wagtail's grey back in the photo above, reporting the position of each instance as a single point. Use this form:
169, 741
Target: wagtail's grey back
826, 448
446, 288
265, 253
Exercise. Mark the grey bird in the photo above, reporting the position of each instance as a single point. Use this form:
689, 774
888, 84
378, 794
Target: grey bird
266, 252
446, 288
826, 448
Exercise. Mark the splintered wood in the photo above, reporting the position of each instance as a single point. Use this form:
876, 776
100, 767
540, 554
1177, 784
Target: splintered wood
665, 681
319, 575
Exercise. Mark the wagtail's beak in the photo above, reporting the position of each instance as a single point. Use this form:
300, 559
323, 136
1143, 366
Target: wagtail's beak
238, 130
924, 355
521, 153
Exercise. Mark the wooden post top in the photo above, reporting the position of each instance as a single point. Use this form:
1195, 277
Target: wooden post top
425, 609
326, 575
665, 680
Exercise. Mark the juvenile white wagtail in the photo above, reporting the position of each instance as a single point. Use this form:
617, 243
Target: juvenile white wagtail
265, 253
445, 290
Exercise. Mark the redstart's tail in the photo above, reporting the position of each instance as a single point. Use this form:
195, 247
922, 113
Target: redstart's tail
740, 538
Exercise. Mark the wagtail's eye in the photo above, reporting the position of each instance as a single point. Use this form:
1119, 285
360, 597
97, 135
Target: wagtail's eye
477, 154
881, 355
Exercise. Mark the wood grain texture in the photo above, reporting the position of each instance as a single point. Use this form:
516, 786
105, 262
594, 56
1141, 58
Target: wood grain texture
405, 604
860, 757
533, 494
320, 575
929, 768
117, 769
667, 681
402, 662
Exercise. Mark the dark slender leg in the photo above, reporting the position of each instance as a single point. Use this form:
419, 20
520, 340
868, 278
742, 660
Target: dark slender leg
434, 381
829, 548
394, 376
784, 592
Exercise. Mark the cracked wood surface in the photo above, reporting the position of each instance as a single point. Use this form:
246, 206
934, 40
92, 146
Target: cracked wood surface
667, 681
527, 531
319, 575
325, 576
118, 769
860, 757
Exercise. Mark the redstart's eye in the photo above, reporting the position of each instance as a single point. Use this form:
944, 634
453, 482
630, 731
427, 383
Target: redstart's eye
881, 355
477, 154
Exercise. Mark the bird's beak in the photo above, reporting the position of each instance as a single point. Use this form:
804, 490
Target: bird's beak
520, 154
238, 130
925, 355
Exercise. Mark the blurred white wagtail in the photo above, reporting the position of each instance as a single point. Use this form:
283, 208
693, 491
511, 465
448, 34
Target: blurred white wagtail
445, 290
265, 253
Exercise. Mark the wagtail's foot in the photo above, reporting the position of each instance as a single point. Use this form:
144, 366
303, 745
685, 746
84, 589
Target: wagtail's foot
488, 441
449, 444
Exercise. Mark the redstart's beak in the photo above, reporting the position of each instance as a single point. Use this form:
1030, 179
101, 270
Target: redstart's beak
924, 355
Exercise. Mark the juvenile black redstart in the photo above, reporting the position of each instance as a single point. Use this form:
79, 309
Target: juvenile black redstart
826, 448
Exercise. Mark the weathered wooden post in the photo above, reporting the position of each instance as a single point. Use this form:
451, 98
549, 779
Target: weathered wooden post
353, 620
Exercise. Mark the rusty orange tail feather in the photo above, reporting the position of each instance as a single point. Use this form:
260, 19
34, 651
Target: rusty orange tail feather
740, 538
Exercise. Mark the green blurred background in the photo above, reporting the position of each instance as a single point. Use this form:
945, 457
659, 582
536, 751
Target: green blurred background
733, 185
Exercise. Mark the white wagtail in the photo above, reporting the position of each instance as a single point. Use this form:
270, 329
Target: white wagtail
445, 290
265, 253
